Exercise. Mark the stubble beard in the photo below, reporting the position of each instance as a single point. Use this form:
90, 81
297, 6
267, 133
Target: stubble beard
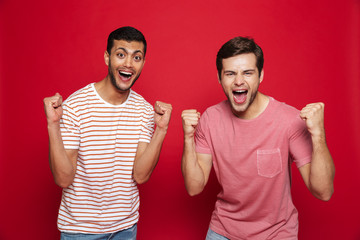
115, 84
245, 107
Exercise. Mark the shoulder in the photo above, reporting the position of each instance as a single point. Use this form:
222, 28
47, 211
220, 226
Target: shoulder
215, 114
289, 116
137, 101
217, 109
284, 110
80, 95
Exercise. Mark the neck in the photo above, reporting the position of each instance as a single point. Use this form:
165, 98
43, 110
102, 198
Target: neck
110, 93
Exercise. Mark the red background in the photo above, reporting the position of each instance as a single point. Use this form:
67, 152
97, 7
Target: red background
311, 54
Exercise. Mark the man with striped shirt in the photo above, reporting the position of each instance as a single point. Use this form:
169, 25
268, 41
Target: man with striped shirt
102, 144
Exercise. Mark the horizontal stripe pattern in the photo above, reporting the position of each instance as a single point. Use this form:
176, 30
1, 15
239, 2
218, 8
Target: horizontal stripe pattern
104, 197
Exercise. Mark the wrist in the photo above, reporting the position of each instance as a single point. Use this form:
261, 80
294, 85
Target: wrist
188, 137
162, 130
318, 138
53, 125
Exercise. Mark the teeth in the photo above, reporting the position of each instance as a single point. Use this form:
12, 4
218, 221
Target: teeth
240, 91
126, 73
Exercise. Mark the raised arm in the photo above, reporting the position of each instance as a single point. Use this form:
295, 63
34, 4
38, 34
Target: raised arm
147, 154
195, 167
62, 162
319, 174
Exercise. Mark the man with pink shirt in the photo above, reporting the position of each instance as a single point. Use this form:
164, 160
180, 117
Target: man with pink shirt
251, 139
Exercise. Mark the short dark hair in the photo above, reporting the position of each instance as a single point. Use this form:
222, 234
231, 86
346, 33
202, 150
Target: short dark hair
128, 34
237, 46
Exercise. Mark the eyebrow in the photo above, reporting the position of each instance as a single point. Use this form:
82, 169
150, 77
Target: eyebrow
249, 70
124, 49
139, 51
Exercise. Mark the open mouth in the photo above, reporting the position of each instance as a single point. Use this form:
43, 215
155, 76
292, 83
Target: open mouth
125, 75
240, 96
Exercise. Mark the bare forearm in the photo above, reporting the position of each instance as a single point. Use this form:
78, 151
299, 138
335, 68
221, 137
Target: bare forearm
145, 164
322, 170
193, 174
61, 165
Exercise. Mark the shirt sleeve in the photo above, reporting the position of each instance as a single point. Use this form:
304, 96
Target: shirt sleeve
147, 126
202, 136
70, 128
300, 143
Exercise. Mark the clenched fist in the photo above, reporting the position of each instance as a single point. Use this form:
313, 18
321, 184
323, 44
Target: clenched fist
190, 119
53, 108
313, 114
162, 114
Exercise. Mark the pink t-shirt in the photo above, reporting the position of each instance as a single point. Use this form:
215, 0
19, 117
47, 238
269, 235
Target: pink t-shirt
252, 161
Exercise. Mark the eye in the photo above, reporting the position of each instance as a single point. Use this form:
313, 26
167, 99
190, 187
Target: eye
229, 74
120, 55
248, 74
137, 58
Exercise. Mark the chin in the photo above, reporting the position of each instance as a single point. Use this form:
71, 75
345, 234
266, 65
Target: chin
239, 109
119, 85
123, 88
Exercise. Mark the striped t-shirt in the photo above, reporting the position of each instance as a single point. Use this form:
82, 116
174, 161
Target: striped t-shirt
104, 197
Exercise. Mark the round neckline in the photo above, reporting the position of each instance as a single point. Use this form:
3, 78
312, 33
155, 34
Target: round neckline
260, 116
107, 103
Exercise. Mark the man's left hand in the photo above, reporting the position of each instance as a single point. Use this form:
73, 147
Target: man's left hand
313, 114
162, 114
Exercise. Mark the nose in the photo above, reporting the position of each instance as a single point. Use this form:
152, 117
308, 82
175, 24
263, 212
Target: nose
128, 62
239, 80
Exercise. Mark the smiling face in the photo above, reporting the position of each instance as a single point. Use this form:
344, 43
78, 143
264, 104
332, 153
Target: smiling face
125, 63
240, 80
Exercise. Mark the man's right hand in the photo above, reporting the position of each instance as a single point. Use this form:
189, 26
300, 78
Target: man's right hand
195, 166
190, 119
53, 108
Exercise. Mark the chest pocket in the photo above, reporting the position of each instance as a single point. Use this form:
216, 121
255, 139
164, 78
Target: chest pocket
269, 162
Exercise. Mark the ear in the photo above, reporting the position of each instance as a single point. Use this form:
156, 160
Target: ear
218, 77
106, 58
262, 75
